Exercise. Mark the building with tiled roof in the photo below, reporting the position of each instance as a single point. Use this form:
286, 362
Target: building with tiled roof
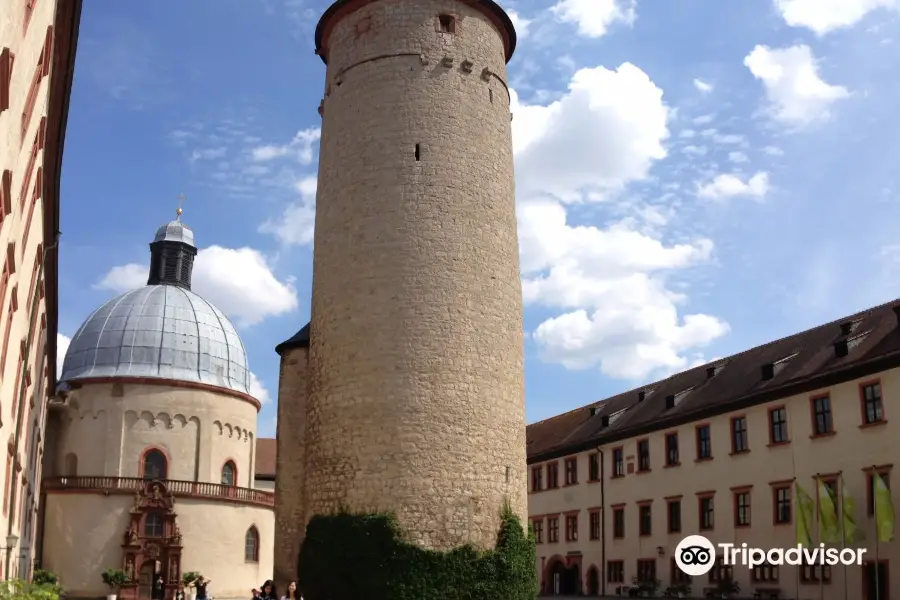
718, 450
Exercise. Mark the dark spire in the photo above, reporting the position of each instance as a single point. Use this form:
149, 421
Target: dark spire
172, 255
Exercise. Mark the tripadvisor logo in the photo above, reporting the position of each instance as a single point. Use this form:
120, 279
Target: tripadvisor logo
695, 555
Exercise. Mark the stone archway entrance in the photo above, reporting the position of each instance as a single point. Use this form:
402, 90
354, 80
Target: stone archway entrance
563, 580
152, 543
593, 582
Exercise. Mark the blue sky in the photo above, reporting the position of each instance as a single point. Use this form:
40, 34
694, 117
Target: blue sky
693, 177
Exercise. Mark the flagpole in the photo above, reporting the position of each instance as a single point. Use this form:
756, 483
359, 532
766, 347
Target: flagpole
873, 492
819, 539
840, 513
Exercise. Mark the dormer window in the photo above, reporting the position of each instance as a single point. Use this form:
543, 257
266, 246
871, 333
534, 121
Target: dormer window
675, 399
849, 327
770, 370
447, 24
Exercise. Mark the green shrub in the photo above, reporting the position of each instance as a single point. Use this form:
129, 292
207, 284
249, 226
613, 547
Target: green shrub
16, 589
114, 579
189, 578
350, 556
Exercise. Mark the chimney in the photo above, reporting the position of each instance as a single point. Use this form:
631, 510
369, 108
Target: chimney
840, 349
768, 371
670, 402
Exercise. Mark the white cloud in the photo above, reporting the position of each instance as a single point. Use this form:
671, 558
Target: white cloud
593, 18
606, 284
604, 132
62, 346
796, 92
703, 86
703, 119
737, 157
258, 389
824, 16
296, 224
620, 315
520, 23
729, 186
301, 147
237, 281
773, 151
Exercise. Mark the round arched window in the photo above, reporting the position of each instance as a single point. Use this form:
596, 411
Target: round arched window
155, 465
229, 473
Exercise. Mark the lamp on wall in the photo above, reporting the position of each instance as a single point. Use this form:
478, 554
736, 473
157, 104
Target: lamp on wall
660, 551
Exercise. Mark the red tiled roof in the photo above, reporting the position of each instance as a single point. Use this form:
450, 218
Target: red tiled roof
873, 345
265, 457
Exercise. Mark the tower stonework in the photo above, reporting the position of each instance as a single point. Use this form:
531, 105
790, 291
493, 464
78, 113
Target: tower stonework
415, 399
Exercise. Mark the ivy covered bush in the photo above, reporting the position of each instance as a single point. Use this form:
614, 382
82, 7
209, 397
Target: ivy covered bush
351, 556
17, 589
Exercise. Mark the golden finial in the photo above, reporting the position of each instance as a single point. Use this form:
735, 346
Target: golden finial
181, 199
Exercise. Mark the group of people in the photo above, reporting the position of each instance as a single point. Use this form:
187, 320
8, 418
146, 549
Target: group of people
201, 586
267, 592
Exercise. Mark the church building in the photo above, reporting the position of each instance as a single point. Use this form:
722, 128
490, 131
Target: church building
152, 458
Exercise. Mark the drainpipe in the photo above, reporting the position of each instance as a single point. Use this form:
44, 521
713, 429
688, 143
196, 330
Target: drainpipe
602, 521
21, 393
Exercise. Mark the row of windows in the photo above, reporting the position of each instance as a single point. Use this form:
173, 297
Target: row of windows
781, 507
872, 413
155, 465
763, 574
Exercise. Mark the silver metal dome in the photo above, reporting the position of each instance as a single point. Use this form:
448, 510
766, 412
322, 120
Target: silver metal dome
162, 331
175, 231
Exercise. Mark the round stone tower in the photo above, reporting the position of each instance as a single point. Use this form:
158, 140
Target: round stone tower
416, 387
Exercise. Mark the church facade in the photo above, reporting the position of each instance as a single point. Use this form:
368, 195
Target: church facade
151, 458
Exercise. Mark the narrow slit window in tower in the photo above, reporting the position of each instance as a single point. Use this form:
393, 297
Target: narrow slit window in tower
491, 95
447, 23
418, 152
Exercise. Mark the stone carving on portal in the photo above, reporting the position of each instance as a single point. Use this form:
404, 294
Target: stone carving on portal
151, 543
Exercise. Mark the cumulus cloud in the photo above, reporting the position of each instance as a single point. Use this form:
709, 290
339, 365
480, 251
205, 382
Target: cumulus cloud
620, 315
703, 86
301, 147
796, 92
593, 18
520, 23
237, 281
258, 389
606, 285
62, 346
607, 130
295, 225
824, 16
729, 186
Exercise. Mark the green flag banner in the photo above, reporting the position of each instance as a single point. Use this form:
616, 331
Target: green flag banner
805, 515
829, 530
884, 509
852, 533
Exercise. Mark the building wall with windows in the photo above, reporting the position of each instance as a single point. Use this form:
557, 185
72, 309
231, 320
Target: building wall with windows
605, 515
37, 46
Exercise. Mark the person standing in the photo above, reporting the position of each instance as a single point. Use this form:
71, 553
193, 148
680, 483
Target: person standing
158, 592
202, 587
292, 592
267, 591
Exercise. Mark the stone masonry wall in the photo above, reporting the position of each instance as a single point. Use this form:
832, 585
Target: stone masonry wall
290, 523
416, 361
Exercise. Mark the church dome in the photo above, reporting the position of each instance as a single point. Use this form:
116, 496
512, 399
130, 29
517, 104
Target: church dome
162, 330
